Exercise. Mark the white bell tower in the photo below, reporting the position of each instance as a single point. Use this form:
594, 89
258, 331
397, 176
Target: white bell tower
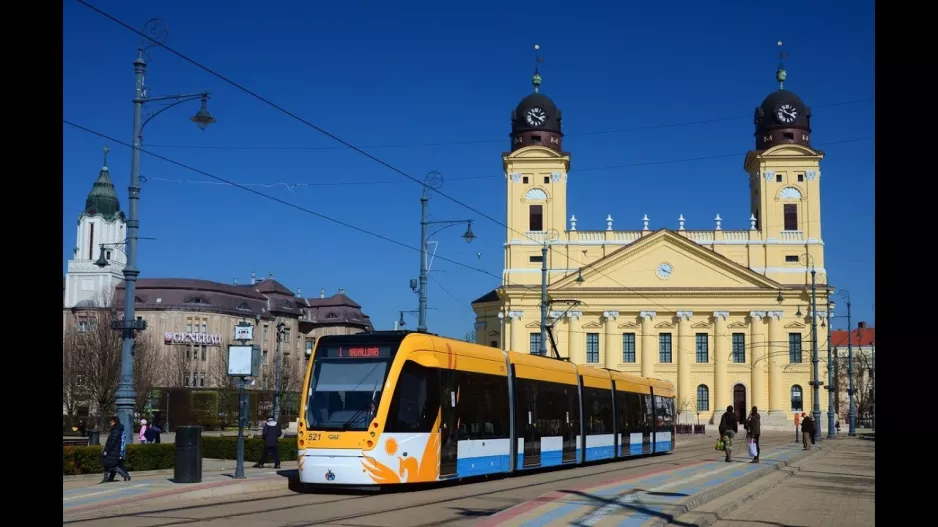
100, 223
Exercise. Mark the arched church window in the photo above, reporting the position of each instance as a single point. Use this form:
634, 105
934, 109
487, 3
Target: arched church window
535, 194
789, 193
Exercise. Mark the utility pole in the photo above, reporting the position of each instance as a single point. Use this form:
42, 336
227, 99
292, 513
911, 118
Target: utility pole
816, 411
278, 370
831, 426
431, 181
129, 325
542, 348
422, 299
852, 432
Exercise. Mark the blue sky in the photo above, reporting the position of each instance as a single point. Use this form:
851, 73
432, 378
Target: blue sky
430, 86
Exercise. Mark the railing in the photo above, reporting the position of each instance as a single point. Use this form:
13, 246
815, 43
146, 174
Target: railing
736, 236
700, 236
591, 236
690, 429
792, 236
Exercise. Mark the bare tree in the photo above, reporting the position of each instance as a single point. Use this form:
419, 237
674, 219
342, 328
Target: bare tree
862, 383
94, 356
97, 354
176, 365
683, 406
470, 336
74, 392
146, 368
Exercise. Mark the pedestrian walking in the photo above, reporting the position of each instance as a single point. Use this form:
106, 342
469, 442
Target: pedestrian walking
807, 430
112, 457
728, 428
754, 426
143, 432
156, 427
270, 434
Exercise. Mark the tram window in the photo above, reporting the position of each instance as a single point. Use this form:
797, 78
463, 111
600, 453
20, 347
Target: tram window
648, 409
631, 416
416, 401
664, 410
597, 410
482, 407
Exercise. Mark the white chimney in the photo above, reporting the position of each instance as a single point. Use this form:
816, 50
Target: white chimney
341, 291
253, 278
235, 281
322, 293
298, 295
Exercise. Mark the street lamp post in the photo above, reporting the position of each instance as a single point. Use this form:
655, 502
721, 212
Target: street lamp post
830, 373
278, 368
815, 384
852, 431
432, 181
129, 325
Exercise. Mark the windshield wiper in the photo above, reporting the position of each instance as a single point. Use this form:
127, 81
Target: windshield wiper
370, 408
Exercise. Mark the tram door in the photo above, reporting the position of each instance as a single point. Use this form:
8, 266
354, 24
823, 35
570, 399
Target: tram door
527, 422
648, 421
571, 426
449, 422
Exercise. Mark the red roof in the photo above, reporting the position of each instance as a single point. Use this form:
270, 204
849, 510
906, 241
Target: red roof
861, 337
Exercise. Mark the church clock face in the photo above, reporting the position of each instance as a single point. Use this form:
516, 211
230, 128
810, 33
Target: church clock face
535, 116
786, 113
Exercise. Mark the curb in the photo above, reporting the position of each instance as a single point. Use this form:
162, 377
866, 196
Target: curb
708, 518
707, 496
169, 471
185, 493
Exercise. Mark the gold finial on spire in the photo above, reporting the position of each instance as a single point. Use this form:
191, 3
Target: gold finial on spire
536, 79
780, 73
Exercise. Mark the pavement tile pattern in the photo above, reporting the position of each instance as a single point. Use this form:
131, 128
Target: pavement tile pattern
638, 501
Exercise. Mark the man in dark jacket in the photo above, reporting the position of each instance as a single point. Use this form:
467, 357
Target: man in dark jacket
754, 426
807, 430
270, 434
112, 457
728, 428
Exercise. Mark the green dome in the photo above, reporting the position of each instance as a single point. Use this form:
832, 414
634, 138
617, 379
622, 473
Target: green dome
102, 200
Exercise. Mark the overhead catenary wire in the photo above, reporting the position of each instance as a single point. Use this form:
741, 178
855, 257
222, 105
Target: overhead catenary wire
293, 186
347, 145
487, 141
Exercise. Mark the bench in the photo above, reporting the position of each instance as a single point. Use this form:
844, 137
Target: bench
74, 441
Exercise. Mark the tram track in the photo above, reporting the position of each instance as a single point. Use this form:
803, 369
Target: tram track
498, 493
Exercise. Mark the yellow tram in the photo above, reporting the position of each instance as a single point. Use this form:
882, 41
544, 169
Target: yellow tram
394, 407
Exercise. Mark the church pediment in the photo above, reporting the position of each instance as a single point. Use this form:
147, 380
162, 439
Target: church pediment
533, 324
664, 325
738, 324
794, 325
628, 325
592, 325
701, 325
666, 260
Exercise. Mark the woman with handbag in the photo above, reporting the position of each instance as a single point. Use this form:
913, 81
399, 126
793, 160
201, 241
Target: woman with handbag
728, 428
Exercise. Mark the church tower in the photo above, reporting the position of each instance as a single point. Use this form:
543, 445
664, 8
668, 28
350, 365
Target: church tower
101, 233
784, 183
536, 178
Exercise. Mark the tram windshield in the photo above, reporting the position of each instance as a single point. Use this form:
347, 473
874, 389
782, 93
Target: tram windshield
346, 386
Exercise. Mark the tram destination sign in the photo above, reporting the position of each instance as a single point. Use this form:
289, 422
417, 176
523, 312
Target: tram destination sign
356, 352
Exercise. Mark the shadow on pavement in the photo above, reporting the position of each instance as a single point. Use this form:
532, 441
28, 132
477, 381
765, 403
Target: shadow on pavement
633, 507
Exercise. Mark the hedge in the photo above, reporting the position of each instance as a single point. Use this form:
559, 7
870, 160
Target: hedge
162, 456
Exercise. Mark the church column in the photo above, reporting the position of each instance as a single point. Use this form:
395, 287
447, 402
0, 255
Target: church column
684, 351
757, 366
776, 352
515, 321
648, 344
613, 358
721, 354
575, 338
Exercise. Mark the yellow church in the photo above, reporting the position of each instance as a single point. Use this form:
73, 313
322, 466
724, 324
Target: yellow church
725, 315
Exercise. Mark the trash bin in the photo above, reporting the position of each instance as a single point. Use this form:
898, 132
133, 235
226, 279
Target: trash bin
188, 467
94, 437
